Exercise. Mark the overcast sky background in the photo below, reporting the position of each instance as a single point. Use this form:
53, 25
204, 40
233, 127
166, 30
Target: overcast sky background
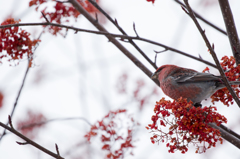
77, 76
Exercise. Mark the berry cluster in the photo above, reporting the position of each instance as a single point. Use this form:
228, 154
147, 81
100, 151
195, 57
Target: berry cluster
16, 42
179, 123
62, 12
232, 73
110, 130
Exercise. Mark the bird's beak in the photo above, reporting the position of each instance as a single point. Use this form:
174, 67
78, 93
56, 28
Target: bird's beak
154, 76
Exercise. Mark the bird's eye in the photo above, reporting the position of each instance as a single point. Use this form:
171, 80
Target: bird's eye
160, 69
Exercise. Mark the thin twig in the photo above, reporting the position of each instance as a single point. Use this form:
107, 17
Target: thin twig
204, 20
231, 29
16, 101
225, 80
21, 143
29, 141
112, 39
157, 52
53, 120
20, 90
56, 146
134, 28
122, 31
114, 35
44, 16
10, 121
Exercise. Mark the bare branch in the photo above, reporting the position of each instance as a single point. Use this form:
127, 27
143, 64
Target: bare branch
157, 52
56, 146
114, 35
21, 143
52, 120
10, 121
138, 63
45, 17
134, 28
20, 90
29, 141
227, 136
230, 131
231, 29
122, 31
204, 20
225, 80
16, 101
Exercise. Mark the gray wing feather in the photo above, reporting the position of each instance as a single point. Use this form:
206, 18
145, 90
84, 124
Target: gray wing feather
196, 77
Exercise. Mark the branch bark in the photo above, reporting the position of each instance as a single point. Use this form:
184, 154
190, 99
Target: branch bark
16, 100
29, 141
122, 31
204, 20
227, 136
231, 29
114, 35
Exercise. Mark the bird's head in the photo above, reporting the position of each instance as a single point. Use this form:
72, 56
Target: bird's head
162, 72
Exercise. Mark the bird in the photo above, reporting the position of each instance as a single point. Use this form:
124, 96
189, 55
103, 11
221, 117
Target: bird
187, 83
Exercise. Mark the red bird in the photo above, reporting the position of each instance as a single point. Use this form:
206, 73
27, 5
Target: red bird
187, 83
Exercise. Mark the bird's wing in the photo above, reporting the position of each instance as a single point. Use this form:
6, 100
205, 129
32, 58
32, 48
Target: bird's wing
195, 77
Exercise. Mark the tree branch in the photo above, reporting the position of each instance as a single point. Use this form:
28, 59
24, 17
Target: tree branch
20, 90
231, 29
16, 100
204, 20
52, 120
230, 131
114, 35
227, 136
225, 80
29, 141
112, 39
122, 31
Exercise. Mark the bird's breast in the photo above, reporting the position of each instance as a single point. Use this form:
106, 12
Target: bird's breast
196, 92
